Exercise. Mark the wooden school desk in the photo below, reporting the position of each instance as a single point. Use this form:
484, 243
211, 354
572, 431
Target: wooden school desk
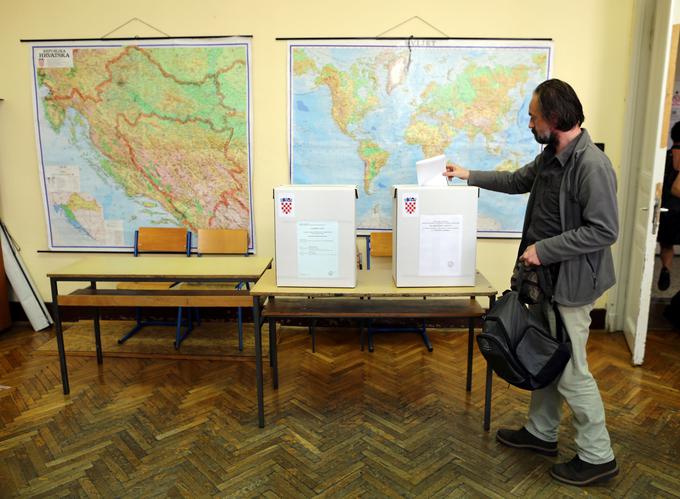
272, 303
166, 268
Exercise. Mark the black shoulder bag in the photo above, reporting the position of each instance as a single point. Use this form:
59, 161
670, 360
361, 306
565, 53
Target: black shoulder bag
515, 342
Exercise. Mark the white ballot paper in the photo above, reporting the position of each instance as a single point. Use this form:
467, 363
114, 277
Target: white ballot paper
317, 244
429, 171
440, 245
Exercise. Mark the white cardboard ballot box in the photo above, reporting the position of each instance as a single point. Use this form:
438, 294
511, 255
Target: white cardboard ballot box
434, 235
315, 235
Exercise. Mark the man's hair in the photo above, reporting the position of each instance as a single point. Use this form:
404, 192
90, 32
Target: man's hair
675, 132
559, 104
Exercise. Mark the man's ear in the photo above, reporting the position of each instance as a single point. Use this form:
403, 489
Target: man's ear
551, 118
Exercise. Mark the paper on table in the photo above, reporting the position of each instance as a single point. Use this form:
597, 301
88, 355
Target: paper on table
429, 171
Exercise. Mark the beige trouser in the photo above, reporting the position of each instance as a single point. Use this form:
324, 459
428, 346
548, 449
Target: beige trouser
577, 387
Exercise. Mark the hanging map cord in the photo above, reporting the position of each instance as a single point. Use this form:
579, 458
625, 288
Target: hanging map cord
108, 37
137, 19
381, 35
410, 38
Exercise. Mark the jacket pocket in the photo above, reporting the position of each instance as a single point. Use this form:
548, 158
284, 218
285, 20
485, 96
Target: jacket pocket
579, 278
593, 263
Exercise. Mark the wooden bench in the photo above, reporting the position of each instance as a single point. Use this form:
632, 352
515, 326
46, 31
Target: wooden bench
90, 297
277, 309
351, 308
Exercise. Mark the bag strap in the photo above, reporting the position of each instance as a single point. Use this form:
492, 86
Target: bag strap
561, 331
545, 281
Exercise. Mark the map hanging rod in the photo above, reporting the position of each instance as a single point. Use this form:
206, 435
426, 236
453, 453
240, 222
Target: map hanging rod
129, 38
278, 39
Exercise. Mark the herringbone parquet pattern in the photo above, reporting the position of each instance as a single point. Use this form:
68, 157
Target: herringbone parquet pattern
397, 422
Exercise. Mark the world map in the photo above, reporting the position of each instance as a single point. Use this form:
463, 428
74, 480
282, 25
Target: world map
142, 135
364, 113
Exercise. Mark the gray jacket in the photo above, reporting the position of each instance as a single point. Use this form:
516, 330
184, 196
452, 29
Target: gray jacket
589, 217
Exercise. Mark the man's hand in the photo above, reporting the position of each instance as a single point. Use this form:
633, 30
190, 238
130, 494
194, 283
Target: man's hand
530, 257
455, 171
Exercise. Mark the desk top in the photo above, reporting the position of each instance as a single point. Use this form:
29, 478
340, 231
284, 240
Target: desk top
159, 267
375, 282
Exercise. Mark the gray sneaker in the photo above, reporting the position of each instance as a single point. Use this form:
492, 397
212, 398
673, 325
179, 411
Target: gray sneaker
522, 439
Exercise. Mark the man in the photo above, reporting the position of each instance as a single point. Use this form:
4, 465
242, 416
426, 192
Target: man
669, 222
570, 223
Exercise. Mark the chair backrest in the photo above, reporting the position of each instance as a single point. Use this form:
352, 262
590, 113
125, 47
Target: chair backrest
381, 243
222, 241
162, 240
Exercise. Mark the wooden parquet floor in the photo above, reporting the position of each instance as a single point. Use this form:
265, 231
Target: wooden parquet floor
209, 341
396, 422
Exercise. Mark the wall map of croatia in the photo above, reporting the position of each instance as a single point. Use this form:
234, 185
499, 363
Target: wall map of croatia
363, 113
137, 135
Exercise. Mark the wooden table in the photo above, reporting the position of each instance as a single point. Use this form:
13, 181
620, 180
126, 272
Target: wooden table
149, 268
273, 303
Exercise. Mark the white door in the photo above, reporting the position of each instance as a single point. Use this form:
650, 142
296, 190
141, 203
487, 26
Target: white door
628, 308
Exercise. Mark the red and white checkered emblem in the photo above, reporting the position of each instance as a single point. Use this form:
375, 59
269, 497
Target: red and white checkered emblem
410, 205
287, 205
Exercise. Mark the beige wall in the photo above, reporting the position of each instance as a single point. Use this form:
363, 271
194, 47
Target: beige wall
592, 46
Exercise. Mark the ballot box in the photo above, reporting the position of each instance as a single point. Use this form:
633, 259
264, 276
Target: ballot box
434, 239
315, 235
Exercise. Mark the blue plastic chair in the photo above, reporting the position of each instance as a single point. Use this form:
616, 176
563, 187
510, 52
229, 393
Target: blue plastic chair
380, 245
159, 240
222, 242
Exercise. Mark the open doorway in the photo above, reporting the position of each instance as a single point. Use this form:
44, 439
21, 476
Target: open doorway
660, 299
666, 278
653, 61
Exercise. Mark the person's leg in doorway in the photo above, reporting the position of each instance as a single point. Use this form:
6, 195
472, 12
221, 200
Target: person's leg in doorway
666, 265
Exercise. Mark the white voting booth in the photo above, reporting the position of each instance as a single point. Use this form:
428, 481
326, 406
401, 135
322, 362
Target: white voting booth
315, 235
434, 235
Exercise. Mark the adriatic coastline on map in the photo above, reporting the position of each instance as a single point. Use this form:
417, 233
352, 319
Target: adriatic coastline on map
143, 135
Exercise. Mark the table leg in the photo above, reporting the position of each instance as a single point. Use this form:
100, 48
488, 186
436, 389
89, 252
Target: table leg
489, 383
368, 252
312, 331
487, 398
60, 336
97, 337
273, 354
258, 361
471, 338
97, 330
